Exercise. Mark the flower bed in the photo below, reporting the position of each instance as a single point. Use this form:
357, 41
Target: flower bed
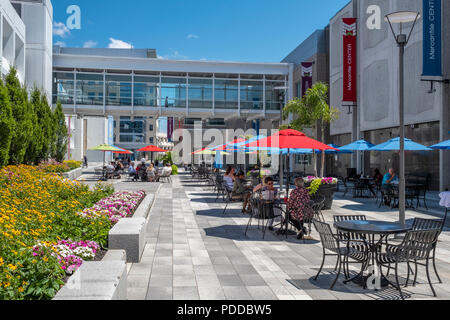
119, 205
43, 236
314, 183
53, 166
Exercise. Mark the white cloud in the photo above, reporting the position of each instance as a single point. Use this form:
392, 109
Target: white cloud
60, 43
60, 30
119, 44
90, 44
192, 36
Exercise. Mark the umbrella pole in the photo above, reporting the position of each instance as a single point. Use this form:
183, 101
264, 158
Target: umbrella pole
288, 177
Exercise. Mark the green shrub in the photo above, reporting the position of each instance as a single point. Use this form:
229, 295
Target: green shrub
174, 170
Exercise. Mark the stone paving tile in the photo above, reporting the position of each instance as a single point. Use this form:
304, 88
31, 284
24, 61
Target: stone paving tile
194, 251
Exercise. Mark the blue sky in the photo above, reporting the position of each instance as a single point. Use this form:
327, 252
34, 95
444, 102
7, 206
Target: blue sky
228, 30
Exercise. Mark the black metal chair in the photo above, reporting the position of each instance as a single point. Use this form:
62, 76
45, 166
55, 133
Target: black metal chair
263, 211
227, 195
430, 224
332, 243
416, 246
422, 195
355, 240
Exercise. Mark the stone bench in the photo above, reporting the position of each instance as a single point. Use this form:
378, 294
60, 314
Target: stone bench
98, 280
129, 233
74, 174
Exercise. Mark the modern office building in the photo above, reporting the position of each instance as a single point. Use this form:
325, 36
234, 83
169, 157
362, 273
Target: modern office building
132, 86
314, 51
375, 115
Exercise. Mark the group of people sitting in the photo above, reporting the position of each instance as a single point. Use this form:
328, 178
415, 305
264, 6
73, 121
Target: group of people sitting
298, 203
148, 172
114, 169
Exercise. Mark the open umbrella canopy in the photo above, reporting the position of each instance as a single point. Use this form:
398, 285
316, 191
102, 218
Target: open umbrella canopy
123, 151
394, 145
151, 149
225, 146
442, 146
290, 139
106, 148
360, 145
198, 151
211, 152
337, 151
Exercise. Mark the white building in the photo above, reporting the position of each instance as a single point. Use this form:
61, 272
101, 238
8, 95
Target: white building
135, 88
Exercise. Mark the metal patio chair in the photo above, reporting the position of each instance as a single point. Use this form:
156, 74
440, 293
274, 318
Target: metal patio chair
415, 248
331, 246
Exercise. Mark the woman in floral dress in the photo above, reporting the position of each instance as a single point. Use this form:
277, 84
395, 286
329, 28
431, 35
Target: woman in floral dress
299, 207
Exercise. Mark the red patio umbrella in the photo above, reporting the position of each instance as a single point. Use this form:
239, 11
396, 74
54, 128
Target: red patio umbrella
225, 146
123, 151
289, 139
151, 149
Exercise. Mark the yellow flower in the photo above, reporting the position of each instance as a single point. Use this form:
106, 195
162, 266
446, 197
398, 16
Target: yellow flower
12, 267
20, 289
45, 259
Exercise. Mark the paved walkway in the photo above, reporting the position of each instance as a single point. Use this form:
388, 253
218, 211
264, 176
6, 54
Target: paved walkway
193, 251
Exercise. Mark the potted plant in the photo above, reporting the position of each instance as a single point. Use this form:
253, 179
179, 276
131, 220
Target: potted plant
322, 186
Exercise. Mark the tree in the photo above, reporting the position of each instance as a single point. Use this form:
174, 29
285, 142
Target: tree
6, 125
311, 110
60, 134
23, 128
35, 145
46, 123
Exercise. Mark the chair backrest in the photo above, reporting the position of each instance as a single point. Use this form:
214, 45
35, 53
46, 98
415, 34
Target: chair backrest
427, 224
350, 235
418, 244
326, 235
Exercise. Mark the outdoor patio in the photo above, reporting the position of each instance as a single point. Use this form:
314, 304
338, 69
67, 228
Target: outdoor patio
194, 251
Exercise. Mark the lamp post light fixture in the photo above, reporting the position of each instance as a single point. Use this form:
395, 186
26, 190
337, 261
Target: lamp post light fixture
402, 40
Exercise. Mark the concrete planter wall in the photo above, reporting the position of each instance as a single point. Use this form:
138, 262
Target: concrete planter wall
74, 174
128, 234
98, 280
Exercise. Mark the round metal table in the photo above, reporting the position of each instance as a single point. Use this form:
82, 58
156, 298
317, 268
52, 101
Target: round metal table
372, 234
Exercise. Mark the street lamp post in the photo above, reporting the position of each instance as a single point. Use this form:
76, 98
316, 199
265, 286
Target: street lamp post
402, 40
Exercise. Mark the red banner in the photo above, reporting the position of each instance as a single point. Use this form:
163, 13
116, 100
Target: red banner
169, 128
350, 76
307, 68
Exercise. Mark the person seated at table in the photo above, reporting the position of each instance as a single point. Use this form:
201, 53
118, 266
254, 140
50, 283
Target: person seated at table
377, 176
388, 179
132, 171
141, 171
242, 192
229, 177
151, 173
261, 185
299, 207
269, 194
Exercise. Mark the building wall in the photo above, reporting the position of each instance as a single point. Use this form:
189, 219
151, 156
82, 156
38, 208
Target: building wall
38, 18
12, 40
377, 108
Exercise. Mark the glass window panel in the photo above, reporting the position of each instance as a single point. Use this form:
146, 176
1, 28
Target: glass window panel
89, 89
118, 90
173, 92
63, 87
146, 91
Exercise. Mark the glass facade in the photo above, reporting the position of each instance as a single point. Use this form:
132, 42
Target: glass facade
200, 93
63, 87
226, 94
132, 131
418, 163
90, 89
172, 92
146, 91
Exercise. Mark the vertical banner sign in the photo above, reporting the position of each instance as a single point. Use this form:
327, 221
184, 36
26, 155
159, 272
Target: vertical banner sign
169, 128
306, 77
432, 38
349, 35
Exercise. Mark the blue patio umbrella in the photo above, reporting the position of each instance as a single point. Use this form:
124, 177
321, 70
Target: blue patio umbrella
339, 151
442, 146
360, 145
394, 145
